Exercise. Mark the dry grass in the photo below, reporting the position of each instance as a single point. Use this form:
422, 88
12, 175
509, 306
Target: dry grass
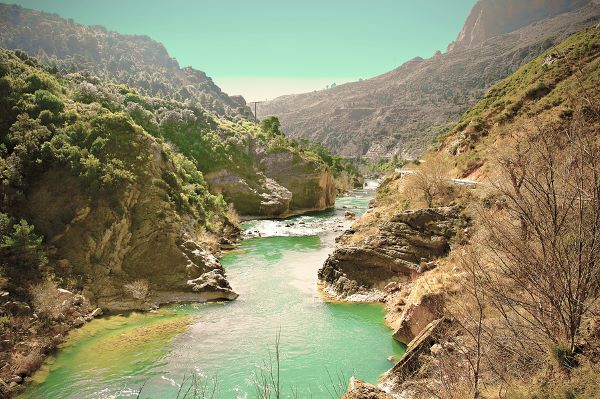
138, 289
48, 301
208, 240
232, 215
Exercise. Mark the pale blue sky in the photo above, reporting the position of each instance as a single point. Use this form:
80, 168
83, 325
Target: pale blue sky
264, 48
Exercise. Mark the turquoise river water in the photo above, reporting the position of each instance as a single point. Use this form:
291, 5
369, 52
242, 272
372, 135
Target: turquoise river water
275, 274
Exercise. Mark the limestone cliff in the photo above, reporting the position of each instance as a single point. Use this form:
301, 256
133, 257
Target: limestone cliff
134, 233
261, 196
282, 183
309, 180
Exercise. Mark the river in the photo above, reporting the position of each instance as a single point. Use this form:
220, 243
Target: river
225, 345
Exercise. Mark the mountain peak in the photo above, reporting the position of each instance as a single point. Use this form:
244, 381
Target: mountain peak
490, 18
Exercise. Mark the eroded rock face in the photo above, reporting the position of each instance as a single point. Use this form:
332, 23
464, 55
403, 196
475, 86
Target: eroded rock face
415, 317
396, 252
490, 18
281, 184
263, 197
310, 181
135, 233
213, 283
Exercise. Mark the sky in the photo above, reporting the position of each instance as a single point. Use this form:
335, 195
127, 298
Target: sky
266, 48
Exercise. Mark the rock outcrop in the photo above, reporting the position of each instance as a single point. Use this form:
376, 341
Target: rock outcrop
283, 183
358, 389
416, 316
264, 197
136, 233
394, 253
490, 18
309, 180
422, 344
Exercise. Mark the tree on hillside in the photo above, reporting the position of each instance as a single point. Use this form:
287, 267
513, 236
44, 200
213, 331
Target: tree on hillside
271, 126
430, 181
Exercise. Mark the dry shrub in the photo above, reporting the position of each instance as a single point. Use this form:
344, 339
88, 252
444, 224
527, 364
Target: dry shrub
531, 275
25, 365
47, 300
430, 183
138, 289
208, 240
232, 215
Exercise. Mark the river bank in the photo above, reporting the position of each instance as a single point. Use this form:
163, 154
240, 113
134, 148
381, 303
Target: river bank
275, 275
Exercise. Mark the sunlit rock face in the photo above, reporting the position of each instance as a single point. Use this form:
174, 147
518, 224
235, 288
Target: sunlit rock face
402, 243
490, 18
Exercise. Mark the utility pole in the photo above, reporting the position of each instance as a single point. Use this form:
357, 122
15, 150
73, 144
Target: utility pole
255, 114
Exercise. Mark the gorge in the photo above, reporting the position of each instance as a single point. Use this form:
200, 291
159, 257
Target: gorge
227, 344
431, 232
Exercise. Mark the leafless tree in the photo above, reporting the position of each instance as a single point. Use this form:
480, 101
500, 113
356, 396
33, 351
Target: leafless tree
542, 240
430, 180
268, 379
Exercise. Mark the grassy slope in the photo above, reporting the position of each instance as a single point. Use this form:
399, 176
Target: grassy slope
539, 90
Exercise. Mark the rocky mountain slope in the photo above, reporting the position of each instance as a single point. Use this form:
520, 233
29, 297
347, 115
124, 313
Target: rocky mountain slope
401, 111
135, 60
490, 18
416, 258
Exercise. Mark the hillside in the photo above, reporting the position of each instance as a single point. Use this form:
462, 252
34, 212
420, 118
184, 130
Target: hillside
94, 204
103, 194
477, 279
134, 60
401, 111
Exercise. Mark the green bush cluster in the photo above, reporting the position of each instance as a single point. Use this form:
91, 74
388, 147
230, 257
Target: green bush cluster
22, 254
337, 164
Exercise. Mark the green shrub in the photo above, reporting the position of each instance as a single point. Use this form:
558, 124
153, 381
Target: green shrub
4, 321
21, 249
563, 356
48, 101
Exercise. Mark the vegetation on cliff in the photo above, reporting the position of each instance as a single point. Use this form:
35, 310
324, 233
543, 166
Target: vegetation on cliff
71, 170
134, 60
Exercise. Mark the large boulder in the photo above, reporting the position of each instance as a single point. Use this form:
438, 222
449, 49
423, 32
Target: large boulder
402, 244
416, 316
